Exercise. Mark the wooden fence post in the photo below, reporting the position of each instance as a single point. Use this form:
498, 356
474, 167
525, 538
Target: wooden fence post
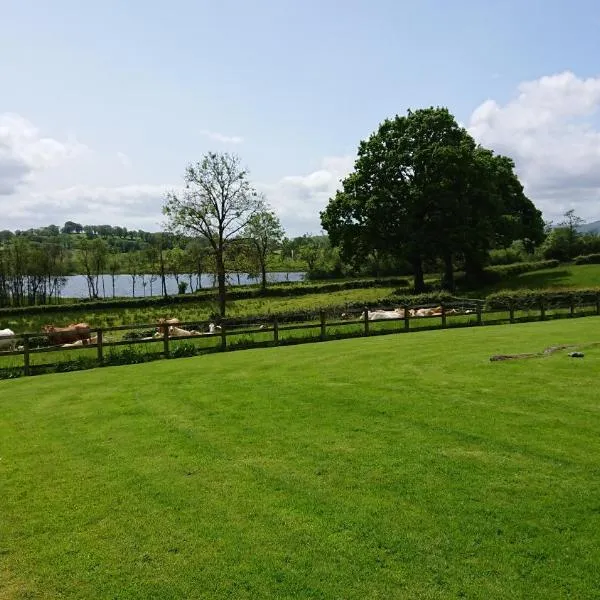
511, 309
99, 345
366, 313
323, 325
166, 341
572, 305
26, 355
479, 311
443, 315
406, 318
275, 331
542, 310
223, 337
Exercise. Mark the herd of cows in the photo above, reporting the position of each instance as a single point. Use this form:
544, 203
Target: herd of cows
80, 334
399, 313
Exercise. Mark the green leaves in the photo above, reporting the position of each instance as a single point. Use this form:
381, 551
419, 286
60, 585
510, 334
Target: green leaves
423, 189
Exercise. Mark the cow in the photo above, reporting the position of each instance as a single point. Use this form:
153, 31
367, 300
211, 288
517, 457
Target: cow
8, 341
178, 332
162, 323
58, 336
397, 313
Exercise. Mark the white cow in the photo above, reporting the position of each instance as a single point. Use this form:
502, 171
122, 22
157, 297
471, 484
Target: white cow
8, 341
397, 313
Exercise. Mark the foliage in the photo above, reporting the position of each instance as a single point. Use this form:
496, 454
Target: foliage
587, 259
217, 203
523, 299
502, 271
564, 244
516, 252
264, 234
423, 189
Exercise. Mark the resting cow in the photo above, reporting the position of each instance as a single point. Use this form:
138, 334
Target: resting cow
8, 341
397, 313
67, 335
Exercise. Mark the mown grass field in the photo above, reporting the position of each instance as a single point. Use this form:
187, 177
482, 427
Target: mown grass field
405, 466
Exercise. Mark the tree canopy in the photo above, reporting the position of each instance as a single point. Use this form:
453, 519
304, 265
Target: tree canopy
422, 189
217, 203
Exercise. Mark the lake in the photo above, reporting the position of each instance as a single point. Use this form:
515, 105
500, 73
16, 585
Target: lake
76, 286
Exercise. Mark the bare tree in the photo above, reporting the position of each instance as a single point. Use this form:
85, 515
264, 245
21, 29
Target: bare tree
218, 201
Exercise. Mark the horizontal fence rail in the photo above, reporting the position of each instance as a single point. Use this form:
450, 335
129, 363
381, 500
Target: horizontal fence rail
404, 316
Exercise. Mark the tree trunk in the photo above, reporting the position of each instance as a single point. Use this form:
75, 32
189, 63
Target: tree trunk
221, 282
419, 278
448, 278
263, 272
473, 270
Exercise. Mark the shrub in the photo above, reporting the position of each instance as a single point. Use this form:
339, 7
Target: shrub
503, 271
526, 299
587, 259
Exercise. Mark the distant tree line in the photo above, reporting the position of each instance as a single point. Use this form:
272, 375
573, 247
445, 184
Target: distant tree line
34, 263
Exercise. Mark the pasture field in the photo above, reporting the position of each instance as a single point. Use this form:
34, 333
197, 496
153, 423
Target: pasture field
198, 311
565, 276
403, 466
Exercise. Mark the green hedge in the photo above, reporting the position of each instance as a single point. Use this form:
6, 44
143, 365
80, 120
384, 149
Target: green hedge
275, 291
503, 271
527, 299
587, 259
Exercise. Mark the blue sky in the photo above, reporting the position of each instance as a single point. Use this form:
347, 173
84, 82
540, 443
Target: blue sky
102, 106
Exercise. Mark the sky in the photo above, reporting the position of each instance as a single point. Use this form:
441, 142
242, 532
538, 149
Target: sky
102, 105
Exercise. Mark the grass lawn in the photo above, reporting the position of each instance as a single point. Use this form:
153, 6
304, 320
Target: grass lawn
405, 466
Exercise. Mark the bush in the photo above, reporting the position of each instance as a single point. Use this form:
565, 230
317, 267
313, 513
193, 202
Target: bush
526, 299
503, 271
587, 259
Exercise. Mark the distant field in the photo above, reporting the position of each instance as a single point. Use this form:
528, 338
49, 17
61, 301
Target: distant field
404, 466
565, 276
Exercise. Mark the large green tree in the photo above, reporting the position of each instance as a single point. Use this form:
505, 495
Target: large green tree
423, 189
217, 203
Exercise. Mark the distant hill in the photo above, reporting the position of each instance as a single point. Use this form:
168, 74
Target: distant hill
590, 227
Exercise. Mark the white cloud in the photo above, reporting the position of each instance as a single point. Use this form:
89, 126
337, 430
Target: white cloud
549, 130
298, 199
133, 206
124, 159
220, 137
23, 152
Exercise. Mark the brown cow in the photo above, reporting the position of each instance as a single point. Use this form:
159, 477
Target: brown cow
164, 323
67, 335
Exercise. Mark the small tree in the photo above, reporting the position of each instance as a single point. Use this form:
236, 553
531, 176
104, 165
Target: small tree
571, 224
217, 203
264, 233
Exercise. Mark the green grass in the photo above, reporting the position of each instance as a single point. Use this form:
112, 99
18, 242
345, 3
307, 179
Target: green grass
405, 466
565, 276
200, 311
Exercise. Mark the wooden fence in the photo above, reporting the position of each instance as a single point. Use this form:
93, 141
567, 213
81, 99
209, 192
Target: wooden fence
477, 316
